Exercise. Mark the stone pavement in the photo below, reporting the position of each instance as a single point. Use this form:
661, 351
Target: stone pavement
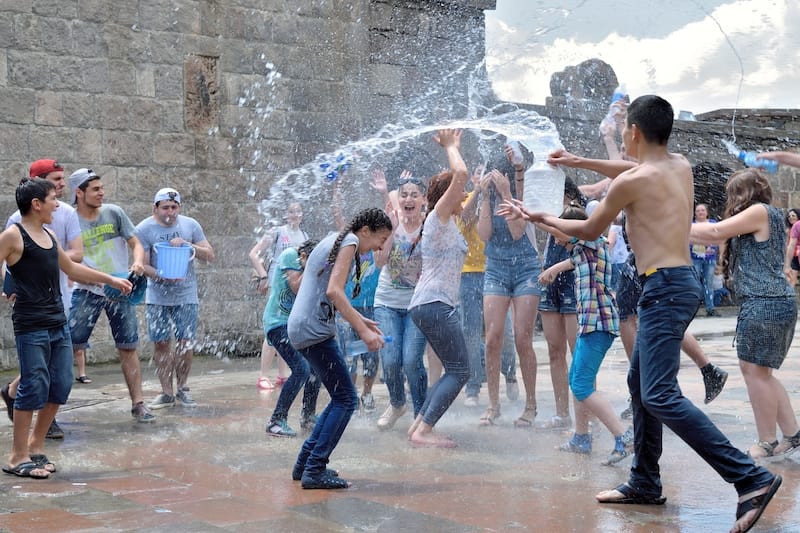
213, 468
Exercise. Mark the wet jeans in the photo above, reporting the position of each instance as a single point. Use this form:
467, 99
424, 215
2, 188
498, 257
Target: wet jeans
326, 360
301, 376
471, 311
441, 326
670, 298
404, 354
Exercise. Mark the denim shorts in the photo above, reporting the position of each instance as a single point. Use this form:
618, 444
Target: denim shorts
86, 307
165, 320
558, 298
45, 366
519, 277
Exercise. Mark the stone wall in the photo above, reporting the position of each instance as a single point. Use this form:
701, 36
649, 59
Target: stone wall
151, 93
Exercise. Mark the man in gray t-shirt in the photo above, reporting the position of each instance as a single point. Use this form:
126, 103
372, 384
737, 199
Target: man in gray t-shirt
172, 304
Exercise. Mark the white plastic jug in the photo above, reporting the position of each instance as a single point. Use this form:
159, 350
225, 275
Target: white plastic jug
544, 188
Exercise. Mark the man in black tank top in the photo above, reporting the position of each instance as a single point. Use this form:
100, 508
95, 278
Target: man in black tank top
42, 336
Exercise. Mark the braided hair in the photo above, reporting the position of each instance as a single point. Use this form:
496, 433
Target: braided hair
373, 219
436, 189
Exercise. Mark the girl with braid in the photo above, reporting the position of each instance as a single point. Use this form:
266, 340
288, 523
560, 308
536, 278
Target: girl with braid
434, 306
312, 331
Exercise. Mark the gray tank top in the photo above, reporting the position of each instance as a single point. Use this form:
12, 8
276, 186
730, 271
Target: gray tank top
757, 267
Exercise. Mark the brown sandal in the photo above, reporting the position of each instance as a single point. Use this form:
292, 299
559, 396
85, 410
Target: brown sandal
526, 419
489, 417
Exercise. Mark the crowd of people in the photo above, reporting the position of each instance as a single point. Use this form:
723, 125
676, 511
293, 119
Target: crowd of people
457, 272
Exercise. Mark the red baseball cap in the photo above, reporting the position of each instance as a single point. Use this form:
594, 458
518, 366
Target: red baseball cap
42, 167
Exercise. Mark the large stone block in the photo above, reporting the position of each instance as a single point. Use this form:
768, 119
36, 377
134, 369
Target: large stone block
6, 30
95, 75
80, 110
54, 141
57, 35
171, 116
27, 32
87, 147
213, 152
13, 141
122, 78
127, 148
29, 69
66, 73
47, 109
174, 149
17, 106
145, 114
90, 39
166, 47
168, 82
114, 112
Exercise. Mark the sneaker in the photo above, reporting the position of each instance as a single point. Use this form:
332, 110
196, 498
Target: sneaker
578, 444
162, 400
627, 413
711, 312
280, 428
714, 379
623, 447
185, 398
54, 431
308, 421
512, 391
368, 403
8, 400
390, 416
471, 401
142, 414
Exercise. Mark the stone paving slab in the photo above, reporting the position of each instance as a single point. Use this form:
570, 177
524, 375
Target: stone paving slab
213, 468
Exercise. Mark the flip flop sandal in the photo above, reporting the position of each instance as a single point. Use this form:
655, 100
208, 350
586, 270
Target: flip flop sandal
758, 502
633, 497
489, 417
83, 379
525, 421
43, 462
25, 469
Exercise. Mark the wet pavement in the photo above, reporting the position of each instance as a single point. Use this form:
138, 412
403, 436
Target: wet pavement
213, 468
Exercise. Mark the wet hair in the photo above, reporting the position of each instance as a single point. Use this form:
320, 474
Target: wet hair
653, 116
436, 189
30, 189
796, 212
307, 247
574, 212
573, 193
374, 220
745, 188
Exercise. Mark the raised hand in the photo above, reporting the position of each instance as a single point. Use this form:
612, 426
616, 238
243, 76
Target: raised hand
379, 181
448, 137
562, 157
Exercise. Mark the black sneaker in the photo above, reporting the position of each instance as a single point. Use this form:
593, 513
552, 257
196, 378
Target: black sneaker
54, 431
324, 482
9, 401
714, 379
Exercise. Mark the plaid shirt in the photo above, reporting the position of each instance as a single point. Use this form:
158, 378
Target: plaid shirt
597, 310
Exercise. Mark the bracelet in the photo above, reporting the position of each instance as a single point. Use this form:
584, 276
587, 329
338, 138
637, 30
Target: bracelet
519, 169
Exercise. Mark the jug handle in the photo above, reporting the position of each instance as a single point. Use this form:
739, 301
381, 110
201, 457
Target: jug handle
191, 257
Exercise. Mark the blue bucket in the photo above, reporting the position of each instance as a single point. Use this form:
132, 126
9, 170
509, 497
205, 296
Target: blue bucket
172, 262
137, 292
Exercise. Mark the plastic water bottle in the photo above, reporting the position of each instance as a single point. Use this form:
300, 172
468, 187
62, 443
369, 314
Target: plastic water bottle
516, 153
750, 159
544, 188
357, 346
610, 122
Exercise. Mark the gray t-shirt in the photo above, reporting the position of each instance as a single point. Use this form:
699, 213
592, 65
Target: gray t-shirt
443, 253
312, 319
105, 243
151, 232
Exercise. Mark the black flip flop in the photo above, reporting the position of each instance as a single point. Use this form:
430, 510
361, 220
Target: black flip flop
758, 502
83, 379
25, 470
633, 497
43, 462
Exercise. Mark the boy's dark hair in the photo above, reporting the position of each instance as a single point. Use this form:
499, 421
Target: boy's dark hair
307, 247
653, 116
574, 212
573, 193
30, 189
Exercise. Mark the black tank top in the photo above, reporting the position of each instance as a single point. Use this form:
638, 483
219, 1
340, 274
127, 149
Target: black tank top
38, 305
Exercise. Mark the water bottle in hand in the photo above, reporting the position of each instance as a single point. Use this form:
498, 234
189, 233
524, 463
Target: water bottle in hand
750, 159
516, 153
357, 346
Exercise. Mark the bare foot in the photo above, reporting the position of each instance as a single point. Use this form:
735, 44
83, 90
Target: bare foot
414, 426
751, 506
431, 440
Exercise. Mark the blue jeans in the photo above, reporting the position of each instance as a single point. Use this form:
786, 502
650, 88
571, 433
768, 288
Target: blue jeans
705, 271
403, 354
45, 367
326, 360
670, 298
442, 328
471, 311
301, 375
